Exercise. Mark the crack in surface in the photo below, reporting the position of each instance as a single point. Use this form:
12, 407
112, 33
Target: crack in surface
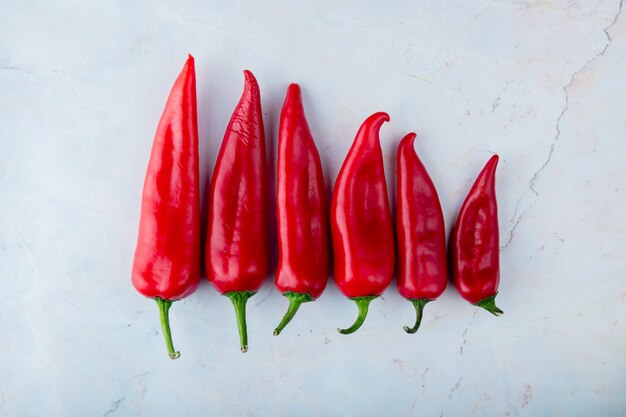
431, 82
531, 183
24, 242
455, 387
271, 291
423, 376
114, 406
465, 333
12, 68
469, 22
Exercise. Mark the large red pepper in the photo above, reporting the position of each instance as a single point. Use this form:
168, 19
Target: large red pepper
421, 234
301, 207
475, 242
361, 221
236, 252
167, 257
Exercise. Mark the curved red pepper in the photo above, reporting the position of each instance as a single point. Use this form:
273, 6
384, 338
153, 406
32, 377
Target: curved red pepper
422, 269
167, 257
236, 252
301, 207
361, 221
475, 242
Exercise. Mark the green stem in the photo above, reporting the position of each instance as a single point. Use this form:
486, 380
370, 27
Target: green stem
362, 304
164, 308
239, 299
419, 309
295, 300
489, 304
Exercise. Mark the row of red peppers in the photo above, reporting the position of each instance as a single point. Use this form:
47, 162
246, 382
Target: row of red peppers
167, 257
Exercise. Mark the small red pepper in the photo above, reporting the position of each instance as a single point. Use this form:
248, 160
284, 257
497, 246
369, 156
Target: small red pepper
422, 269
167, 257
360, 219
475, 242
236, 252
301, 207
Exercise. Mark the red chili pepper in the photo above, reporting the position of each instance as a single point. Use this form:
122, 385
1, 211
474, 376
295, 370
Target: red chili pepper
422, 269
301, 207
167, 257
475, 242
236, 252
361, 221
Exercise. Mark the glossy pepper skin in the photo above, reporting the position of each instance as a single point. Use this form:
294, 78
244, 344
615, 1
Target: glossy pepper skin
475, 243
360, 219
167, 257
236, 251
421, 235
301, 210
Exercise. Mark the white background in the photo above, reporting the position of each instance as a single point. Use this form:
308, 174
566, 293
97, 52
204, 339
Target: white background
542, 83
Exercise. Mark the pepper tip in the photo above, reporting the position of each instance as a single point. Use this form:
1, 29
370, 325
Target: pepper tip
382, 115
249, 77
174, 355
244, 349
293, 90
190, 64
409, 139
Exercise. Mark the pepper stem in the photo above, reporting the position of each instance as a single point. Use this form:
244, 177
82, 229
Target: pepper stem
362, 304
164, 308
419, 309
295, 300
489, 304
239, 299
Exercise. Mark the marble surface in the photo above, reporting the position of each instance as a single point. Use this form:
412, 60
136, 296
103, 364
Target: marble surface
542, 83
